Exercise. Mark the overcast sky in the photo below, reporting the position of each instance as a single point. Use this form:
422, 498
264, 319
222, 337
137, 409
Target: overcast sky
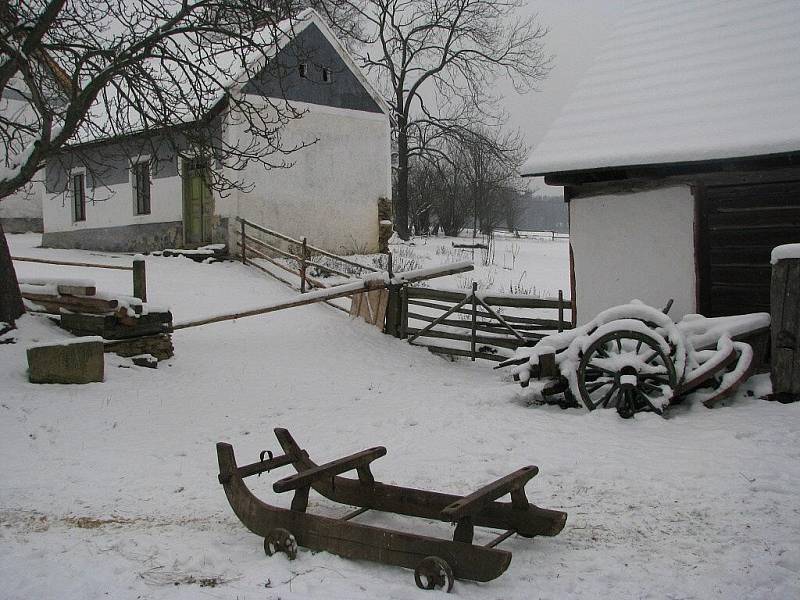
576, 30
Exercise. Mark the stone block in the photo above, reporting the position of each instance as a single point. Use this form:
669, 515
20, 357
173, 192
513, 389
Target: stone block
78, 361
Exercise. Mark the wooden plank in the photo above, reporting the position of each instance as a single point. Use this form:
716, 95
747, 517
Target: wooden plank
64, 289
335, 467
779, 365
313, 249
69, 263
339, 291
89, 304
481, 326
474, 317
509, 342
271, 248
370, 306
315, 282
494, 300
541, 324
787, 330
434, 294
476, 501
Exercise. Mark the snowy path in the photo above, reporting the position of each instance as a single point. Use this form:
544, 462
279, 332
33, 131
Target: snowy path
109, 490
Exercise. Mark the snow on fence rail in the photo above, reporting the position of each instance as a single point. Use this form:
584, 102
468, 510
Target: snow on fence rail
138, 268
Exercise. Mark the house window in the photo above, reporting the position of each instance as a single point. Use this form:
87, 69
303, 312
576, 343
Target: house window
79, 197
303, 70
327, 76
140, 178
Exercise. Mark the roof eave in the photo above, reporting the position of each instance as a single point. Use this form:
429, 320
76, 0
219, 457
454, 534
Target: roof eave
661, 170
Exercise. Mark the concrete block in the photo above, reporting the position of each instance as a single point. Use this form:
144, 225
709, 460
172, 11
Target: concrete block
70, 361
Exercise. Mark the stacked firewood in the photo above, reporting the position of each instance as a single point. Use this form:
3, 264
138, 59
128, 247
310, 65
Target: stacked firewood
130, 326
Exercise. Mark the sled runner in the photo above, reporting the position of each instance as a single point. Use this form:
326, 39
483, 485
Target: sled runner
436, 562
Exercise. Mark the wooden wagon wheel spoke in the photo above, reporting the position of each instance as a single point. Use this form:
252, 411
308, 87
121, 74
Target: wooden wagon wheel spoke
596, 367
593, 387
604, 401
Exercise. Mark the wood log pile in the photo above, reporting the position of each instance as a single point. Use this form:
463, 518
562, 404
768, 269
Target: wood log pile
135, 327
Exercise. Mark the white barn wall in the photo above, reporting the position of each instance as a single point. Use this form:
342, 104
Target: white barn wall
634, 245
330, 194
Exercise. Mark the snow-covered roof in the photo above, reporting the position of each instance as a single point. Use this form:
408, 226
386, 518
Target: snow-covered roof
229, 68
683, 80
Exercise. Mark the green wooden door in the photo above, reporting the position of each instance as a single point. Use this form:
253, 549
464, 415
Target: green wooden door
198, 207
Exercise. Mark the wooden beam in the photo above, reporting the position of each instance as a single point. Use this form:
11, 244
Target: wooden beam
374, 282
69, 263
335, 467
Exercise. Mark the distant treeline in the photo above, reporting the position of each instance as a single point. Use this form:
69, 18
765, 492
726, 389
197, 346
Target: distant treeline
542, 213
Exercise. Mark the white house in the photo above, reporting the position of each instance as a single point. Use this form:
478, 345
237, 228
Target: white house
22, 211
139, 193
679, 153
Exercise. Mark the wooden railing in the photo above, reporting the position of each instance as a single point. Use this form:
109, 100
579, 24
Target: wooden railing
299, 252
482, 323
138, 268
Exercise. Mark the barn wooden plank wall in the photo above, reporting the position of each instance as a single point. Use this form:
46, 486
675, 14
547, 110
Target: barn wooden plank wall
741, 223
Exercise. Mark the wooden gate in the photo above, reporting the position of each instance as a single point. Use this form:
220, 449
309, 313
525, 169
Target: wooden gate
479, 325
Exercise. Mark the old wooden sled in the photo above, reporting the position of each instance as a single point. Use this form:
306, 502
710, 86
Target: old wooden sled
436, 562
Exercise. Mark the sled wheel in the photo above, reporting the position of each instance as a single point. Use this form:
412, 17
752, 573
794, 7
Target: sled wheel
280, 540
627, 370
434, 573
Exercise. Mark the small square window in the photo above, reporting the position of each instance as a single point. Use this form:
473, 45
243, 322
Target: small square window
302, 69
140, 179
79, 197
327, 75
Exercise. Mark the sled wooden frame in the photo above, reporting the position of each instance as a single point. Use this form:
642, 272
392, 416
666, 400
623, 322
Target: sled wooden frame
342, 536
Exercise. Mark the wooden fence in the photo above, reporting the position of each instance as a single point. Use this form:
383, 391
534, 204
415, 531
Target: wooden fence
138, 268
299, 254
479, 320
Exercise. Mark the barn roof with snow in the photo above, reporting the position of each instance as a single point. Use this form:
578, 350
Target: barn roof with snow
681, 81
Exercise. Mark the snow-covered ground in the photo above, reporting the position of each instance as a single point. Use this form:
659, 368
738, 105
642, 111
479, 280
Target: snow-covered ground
110, 491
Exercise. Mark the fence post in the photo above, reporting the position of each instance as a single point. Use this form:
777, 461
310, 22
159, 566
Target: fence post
474, 316
303, 260
139, 278
244, 255
560, 311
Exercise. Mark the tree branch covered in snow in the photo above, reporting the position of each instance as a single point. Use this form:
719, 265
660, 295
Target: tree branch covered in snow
74, 71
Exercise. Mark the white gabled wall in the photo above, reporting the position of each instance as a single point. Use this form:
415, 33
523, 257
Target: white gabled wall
330, 194
634, 245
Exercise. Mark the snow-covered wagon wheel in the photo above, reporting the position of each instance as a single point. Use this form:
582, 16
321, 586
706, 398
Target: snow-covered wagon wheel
629, 370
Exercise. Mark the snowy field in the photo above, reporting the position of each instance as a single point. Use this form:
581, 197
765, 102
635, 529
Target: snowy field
110, 490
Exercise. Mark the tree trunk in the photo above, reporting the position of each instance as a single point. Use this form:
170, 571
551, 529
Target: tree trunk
401, 201
11, 307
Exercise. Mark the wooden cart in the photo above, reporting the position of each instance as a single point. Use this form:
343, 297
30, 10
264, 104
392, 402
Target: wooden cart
436, 562
635, 358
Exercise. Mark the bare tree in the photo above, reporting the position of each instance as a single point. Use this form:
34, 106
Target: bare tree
490, 160
437, 61
73, 71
